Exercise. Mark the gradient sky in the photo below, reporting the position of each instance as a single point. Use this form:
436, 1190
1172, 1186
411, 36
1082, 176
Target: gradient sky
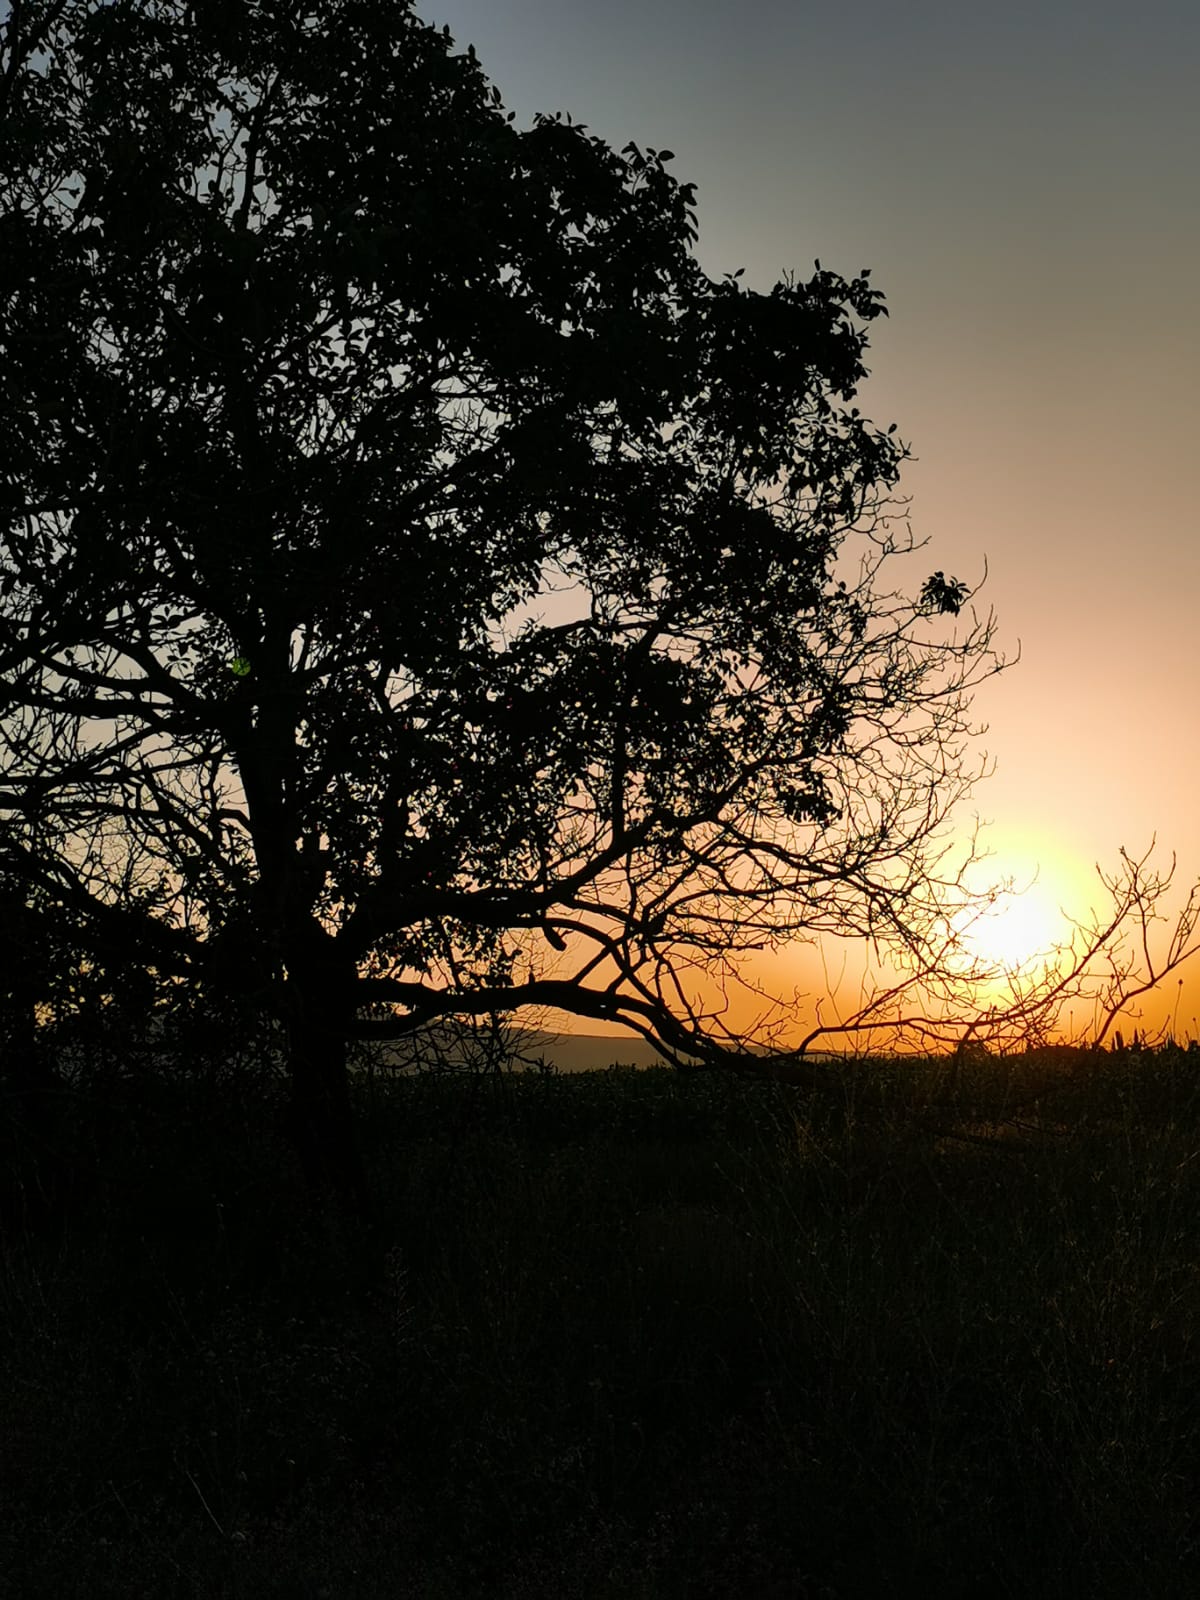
1024, 182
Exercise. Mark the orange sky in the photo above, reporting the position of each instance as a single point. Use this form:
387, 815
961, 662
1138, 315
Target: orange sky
1022, 182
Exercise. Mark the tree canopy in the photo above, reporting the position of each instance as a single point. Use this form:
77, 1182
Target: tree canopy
424, 590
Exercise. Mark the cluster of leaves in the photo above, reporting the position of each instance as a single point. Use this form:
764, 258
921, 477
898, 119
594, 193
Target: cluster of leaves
408, 546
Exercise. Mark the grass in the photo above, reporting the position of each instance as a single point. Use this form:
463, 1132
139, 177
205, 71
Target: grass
623, 1334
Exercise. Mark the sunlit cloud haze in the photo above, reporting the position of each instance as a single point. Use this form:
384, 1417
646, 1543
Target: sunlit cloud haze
1022, 181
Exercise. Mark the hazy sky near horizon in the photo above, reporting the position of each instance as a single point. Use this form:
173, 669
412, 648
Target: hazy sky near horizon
1022, 181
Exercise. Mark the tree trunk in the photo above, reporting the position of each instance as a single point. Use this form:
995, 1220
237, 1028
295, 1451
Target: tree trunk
35, 1171
319, 994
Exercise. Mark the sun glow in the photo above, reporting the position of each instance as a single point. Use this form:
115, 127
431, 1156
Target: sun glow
1019, 933
1015, 932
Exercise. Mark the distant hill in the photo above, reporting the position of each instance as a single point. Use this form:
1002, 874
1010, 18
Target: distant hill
444, 1045
585, 1052
441, 1046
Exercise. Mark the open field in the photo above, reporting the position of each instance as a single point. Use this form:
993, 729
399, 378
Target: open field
623, 1334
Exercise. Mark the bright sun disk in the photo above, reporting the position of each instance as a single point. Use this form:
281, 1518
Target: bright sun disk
1017, 931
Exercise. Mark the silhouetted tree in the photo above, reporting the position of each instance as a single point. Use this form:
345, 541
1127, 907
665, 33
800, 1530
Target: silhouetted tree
70, 1021
423, 586
26, 1075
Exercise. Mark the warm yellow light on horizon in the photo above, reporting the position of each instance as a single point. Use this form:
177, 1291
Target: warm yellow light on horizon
1052, 888
1020, 932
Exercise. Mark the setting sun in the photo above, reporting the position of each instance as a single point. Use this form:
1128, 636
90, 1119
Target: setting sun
1018, 930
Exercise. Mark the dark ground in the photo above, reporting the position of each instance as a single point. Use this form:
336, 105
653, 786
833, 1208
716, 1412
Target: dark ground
618, 1335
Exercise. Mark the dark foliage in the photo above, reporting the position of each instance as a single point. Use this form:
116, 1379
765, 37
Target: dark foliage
421, 585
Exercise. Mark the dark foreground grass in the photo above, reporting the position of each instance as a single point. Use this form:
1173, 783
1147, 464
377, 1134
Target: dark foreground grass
621, 1335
